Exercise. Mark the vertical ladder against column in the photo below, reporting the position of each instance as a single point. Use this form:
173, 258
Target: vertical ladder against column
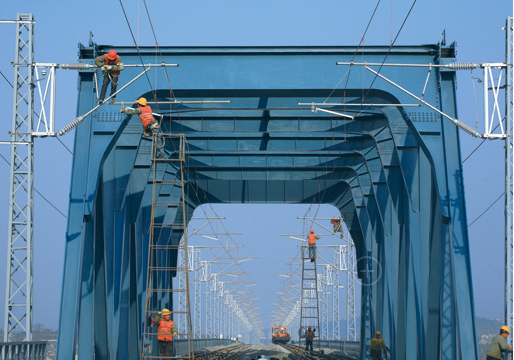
309, 310
167, 218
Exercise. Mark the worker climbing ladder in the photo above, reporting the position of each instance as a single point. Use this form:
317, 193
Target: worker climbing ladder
166, 243
309, 309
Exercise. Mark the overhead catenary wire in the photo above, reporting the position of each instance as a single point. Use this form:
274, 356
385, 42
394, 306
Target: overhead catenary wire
369, 89
44, 198
486, 210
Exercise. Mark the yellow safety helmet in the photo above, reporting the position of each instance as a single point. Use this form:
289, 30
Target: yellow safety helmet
309, 327
141, 101
377, 333
165, 312
505, 328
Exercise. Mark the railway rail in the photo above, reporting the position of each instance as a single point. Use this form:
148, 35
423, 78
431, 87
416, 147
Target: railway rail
299, 353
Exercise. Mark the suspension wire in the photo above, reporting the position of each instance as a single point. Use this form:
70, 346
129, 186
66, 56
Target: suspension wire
391, 47
347, 75
481, 143
159, 49
355, 53
44, 198
36, 114
490, 206
154, 92
367, 92
475, 95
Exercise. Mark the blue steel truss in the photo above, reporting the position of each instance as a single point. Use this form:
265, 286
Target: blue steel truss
393, 172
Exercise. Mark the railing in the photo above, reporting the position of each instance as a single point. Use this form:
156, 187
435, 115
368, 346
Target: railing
26, 350
181, 345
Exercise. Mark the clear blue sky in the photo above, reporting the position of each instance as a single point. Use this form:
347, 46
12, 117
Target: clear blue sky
476, 26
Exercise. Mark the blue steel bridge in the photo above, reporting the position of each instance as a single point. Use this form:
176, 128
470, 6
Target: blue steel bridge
394, 173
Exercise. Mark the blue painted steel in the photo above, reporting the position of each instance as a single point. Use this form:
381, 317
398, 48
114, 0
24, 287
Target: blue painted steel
393, 172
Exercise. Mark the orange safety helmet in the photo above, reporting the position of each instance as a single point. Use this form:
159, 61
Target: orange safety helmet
112, 55
312, 231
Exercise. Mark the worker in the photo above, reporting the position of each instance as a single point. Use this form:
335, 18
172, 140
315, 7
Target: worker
309, 338
150, 125
376, 346
165, 332
111, 66
312, 245
499, 344
336, 222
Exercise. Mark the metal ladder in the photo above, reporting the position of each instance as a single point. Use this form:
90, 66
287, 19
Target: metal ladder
161, 267
309, 309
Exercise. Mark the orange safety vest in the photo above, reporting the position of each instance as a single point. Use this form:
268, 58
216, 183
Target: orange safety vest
312, 239
112, 62
165, 330
146, 116
310, 335
282, 334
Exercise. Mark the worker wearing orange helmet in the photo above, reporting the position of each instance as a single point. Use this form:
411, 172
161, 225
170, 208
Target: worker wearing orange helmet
499, 344
336, 222
376, 346
111, 66
312, 245
165, 332
309, 338
151, 127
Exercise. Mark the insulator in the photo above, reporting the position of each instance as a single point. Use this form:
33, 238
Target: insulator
463, 66
71, 125
76, 66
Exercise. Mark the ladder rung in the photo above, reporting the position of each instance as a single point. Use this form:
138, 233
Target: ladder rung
167, 203
166, 247
164, 357
166, 268
165, 226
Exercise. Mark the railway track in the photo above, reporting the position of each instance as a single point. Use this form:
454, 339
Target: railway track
299, 353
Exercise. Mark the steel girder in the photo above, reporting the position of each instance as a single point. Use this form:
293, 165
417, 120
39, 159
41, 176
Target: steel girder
393, 172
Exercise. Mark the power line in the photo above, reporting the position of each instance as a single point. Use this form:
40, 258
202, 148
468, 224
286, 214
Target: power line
44, 198
490, 206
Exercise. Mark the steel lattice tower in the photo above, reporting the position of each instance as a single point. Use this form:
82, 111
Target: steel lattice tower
18, 293
323, 282
351, 328
197, 323
509, 203
336, 334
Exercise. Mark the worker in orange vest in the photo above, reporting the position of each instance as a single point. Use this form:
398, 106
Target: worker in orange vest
312, 245
336, 222
111, 66
309, 338
165, 332
150, 125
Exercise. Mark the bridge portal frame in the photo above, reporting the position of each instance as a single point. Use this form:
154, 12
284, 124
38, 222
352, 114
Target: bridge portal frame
394, 173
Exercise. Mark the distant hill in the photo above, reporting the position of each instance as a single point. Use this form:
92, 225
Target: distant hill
486, 330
